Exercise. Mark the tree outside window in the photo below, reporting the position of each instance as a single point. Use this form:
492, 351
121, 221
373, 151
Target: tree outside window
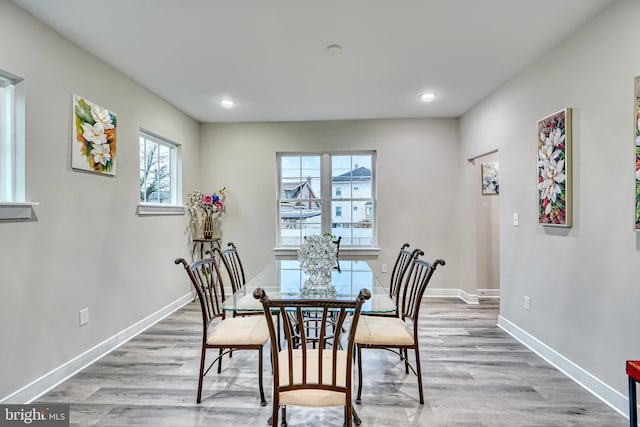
158, 170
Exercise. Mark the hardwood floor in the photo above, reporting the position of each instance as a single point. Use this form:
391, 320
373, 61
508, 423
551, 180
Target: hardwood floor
474, 375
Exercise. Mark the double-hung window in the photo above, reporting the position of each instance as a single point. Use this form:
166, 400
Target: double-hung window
160, 172
12, 138
330, 193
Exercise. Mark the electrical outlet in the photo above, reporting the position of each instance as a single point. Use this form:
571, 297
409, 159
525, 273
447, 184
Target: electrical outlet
84, 316
383, 268
527, 303
516, 219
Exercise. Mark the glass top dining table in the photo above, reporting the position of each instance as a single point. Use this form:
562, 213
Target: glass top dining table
284, 279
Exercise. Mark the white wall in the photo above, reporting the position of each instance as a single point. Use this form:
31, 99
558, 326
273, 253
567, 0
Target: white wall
416, 183
584, 281
86, 247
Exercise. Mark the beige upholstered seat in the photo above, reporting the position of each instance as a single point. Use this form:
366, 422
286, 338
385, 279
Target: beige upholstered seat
383, 330
234, 331
219, 332
304, 376
392, 333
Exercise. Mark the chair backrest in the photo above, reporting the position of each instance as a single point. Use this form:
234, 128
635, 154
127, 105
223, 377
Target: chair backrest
233, 265
416, 281
207, 281
403, 261
312, 368
337, 243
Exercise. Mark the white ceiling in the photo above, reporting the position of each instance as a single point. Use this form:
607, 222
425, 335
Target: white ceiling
270, 55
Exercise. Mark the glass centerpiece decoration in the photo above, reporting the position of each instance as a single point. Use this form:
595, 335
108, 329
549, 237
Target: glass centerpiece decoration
318, 257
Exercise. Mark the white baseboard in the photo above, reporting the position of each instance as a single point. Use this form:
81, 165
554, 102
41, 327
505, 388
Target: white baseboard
489, 293
452, 293
51, 379
616, 400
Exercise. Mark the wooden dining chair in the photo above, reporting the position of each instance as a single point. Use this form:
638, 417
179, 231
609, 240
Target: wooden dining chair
337, 243
233, 265
400, 267
633, 374
220, 332
393, 333
304, 376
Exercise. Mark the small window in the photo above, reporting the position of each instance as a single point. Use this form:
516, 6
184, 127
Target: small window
338, 191
338, 210
159, 170
12, 138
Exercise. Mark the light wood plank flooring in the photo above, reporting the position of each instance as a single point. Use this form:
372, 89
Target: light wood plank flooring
474, 375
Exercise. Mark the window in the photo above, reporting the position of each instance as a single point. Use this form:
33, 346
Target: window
12, 138
317, 190
159, 170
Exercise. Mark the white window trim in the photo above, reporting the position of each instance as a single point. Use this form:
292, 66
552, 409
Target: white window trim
175, 207
17, 210
13, 205
12, 195
327, 197
154, 209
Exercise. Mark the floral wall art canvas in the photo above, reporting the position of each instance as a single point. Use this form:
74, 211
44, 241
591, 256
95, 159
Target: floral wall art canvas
554, 169
490, 183
636, 126
94, 137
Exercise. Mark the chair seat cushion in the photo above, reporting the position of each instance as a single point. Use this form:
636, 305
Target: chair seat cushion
633, 369
312, 397
234, 331
374, 330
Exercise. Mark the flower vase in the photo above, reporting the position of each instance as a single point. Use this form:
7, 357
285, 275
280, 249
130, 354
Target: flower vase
217, 227
207, 230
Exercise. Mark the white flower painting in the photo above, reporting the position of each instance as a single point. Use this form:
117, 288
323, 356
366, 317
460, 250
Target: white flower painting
554, 154
94, 137
637, 135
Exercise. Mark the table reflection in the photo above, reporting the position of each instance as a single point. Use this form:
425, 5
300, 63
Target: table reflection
285, 279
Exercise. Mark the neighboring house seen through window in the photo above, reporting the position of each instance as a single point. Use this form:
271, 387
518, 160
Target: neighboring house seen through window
159, 170
316, 195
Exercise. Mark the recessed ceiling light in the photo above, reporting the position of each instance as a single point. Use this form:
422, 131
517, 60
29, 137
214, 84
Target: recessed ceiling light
333, 48
428, 96
227, 102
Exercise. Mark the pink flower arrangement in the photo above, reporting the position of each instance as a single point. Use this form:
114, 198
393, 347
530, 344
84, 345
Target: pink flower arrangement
201, 205
212, 203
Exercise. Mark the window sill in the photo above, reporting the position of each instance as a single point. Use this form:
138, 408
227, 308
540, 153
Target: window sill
17, 210
345, 252
147, 209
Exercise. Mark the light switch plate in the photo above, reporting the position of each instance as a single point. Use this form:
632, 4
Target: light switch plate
84, 316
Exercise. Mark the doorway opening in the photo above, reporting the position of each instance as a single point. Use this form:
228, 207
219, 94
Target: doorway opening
487, 226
